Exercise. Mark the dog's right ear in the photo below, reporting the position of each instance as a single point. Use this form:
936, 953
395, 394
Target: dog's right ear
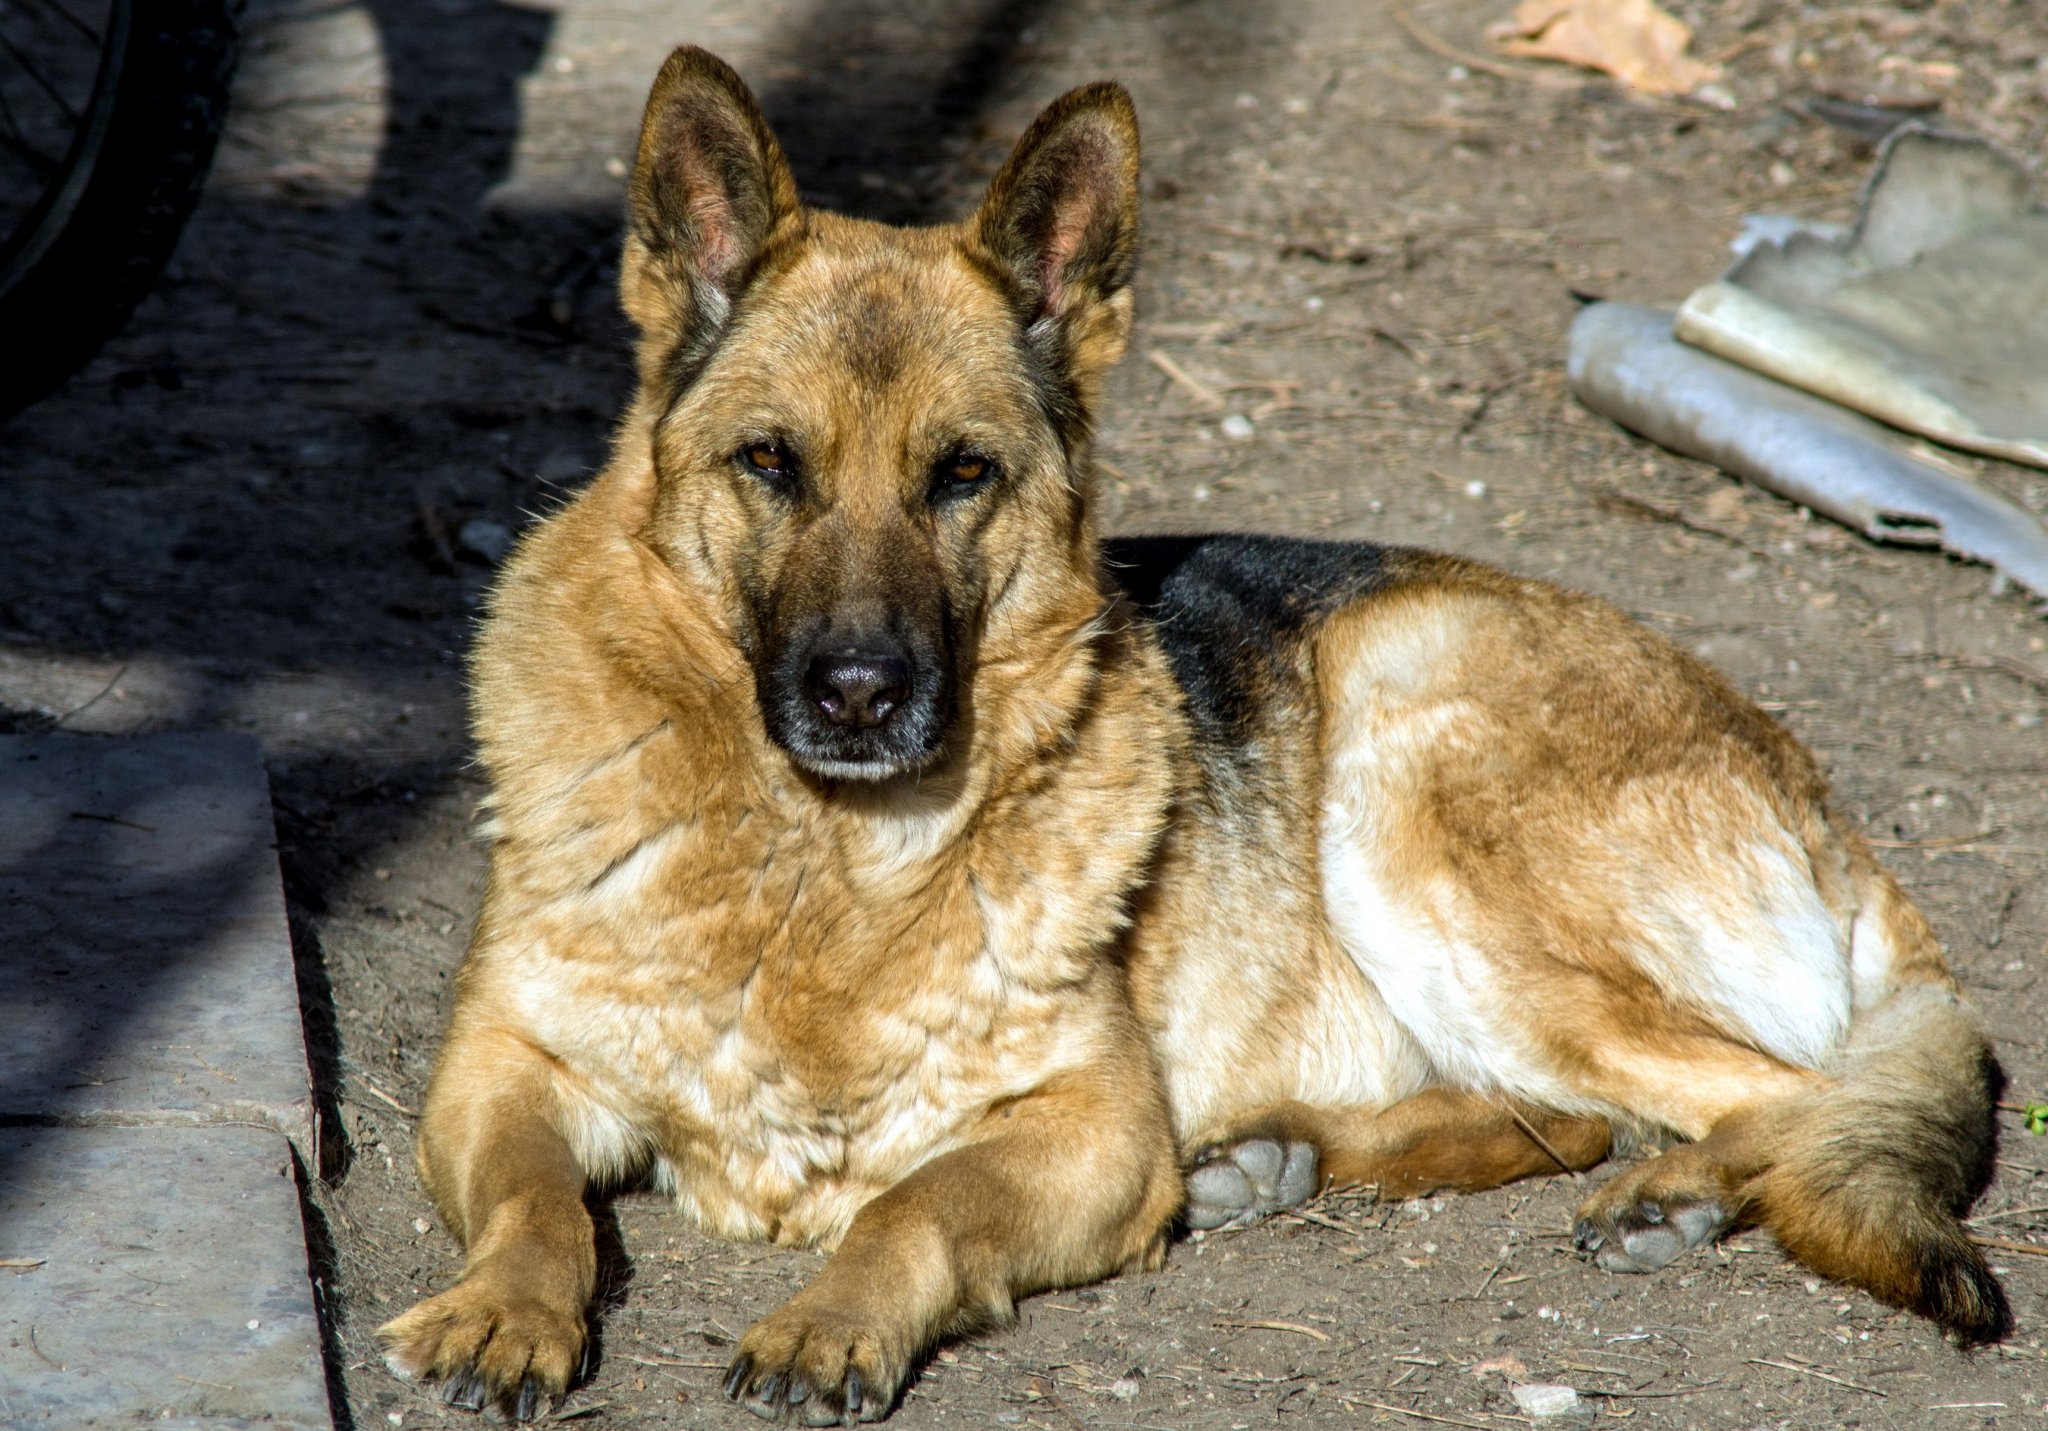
710, 190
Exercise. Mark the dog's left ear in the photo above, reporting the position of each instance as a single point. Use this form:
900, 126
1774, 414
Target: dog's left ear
710, 189
1061, 220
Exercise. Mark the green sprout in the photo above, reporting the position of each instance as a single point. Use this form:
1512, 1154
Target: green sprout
2036, 1115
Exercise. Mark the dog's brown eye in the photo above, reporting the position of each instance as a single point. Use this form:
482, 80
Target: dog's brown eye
961, 474
768, 457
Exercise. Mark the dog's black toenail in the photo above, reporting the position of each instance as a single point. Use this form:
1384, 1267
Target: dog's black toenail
465, 1389
736, 1376
529, 1400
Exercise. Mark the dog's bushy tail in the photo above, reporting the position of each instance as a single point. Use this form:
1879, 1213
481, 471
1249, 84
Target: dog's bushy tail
1870, 1178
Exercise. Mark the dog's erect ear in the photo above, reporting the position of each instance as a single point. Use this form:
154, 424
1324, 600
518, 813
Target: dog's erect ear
710, 188
1062, 220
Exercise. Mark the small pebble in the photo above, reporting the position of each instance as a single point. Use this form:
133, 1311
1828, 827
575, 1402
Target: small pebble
1237, 427
1540, 1400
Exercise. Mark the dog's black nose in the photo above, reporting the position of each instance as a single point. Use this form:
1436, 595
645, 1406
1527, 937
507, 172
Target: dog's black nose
857, 688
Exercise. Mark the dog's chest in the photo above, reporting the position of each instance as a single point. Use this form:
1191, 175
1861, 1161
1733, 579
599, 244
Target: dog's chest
785, 1025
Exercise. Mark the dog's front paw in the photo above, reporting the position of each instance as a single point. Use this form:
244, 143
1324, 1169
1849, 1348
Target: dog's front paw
487, 1346
819, 1364
1233, 1184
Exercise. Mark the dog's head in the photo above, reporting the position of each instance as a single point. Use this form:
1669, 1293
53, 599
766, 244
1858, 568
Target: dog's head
870, 442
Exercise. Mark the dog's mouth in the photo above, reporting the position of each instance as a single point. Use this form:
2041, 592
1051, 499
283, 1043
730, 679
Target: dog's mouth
868, 707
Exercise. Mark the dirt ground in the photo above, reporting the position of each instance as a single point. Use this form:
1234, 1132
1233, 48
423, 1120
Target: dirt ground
389, 337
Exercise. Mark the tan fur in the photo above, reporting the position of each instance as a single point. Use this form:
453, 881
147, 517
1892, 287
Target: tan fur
1474, 886
1436, 1140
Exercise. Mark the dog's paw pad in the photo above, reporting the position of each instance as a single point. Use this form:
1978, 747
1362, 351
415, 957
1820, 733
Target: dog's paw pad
1234, 1184
1647, 1235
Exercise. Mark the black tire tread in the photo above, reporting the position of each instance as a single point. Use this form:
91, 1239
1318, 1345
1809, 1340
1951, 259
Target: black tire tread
169, 108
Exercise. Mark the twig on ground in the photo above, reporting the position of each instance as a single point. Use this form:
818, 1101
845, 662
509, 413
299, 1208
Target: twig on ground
1816, 1371
1295, 1327
1444, 49
113, 820
1307, 1215
1187, 382
1420, 1415
1603, 1370
1981, 1217
80, 710
1505, 1258
2003, 1244
386, 1099
1655, 1395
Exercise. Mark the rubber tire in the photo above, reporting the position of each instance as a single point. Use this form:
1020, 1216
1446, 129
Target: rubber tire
73, 277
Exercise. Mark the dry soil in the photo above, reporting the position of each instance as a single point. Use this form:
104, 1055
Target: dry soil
389, 337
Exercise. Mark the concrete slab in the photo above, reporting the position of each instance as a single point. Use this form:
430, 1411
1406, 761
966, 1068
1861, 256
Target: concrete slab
171, 1289
145, 963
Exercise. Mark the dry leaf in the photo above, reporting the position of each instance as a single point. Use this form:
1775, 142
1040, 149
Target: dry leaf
1633, 40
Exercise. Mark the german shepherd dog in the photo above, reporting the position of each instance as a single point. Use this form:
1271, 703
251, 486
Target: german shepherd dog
881, 860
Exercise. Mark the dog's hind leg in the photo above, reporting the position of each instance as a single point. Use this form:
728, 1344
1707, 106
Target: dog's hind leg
511, 1333
1438, 1139
1863, 1174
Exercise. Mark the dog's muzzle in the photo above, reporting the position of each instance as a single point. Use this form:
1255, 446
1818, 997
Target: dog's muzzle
865, 705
